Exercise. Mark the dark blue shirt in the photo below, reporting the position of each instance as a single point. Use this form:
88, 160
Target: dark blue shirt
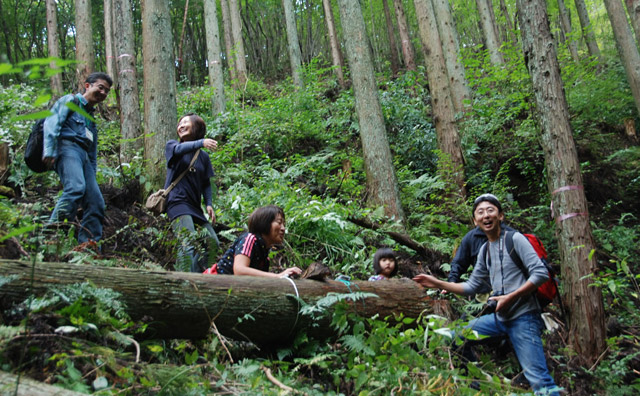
250, 245
186, 197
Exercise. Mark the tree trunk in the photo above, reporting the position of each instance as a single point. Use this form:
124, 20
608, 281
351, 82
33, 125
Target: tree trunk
84, 42
575, 241
491, 39
565, 23
109, 42
53, 46
29, 387
451, 169
130, 122
407, 49
159, 87
587, 30
228, 38
336, 54
181, 42
216, 78
183, 305
393, 47
511, 36
238, 45
293, 43
460, 92
626, 46
382, 185
633, 9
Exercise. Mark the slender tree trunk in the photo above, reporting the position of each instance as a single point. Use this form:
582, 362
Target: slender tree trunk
130, 122
443, 112
109, 44
587, 30
626, 45
238, 45
565, 23
490, 31
228, 38
336, 54
504, 10
85, 53
460, 92
293, 43
53, 46
407, 49
181, 42
393, 47
633, 9
159, 86
382, 186
7, 36
575, 241
216, 78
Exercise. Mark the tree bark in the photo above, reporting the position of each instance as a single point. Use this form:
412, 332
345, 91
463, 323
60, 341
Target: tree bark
587, 30
510, 34
216, 78
54, 46
382, 185
393, 47
293, 43
336, 54
633, 9
460, 92
491, 39
565, 22
109, 42
184, 24
575, 241
84, 42
228, 38
24, 386
626, 45
159, 87
183, 305
130, 121
238, 45
407, 49
443, 117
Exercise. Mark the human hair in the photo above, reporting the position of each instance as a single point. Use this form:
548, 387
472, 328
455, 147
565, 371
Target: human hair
95, 76
260, 220
388, 254
492, 199
198, 127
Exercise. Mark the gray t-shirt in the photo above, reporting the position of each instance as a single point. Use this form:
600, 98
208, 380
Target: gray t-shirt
504, 276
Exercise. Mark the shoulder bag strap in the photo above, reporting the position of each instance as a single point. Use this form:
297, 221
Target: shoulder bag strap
175, 182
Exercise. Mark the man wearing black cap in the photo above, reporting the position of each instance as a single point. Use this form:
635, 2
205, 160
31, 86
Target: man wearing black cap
517, 313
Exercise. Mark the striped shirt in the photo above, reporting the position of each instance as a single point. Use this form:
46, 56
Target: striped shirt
250, 245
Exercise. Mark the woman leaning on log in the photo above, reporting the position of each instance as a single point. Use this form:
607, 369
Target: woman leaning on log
184, 203
249, 254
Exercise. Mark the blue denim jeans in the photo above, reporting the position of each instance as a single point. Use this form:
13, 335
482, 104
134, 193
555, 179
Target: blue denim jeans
188, 253
79, 189
524, 334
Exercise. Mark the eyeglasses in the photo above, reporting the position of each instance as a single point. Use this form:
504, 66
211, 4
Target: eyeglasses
102, 87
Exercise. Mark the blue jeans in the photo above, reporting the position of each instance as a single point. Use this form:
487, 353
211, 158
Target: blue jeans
524, 334
79, 189
188, 254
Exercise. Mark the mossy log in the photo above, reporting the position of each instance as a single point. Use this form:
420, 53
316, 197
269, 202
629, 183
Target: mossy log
11, 385
184, 305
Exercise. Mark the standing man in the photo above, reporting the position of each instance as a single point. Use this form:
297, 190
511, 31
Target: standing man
71, 147
517, 313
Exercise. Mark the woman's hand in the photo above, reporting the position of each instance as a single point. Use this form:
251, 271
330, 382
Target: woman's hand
212, 214
210, 144
290, 271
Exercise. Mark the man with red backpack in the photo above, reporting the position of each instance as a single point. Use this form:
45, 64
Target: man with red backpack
517, 312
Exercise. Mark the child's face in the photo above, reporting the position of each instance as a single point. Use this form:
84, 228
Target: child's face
387, 266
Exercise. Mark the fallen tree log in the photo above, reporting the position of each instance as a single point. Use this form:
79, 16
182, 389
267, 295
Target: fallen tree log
183, 305
11, 385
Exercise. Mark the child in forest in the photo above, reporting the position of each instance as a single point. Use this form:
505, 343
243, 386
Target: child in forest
384, 264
